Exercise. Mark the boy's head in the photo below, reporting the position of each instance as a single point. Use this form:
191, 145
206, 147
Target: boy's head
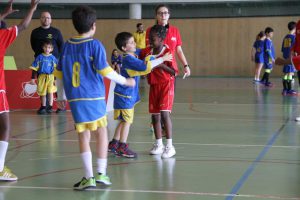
291, 26
157, 35
140, 27
125, 42
114, 52
269, 32
83, 18
47, 47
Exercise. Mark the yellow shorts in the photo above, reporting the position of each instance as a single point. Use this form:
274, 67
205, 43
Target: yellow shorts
46, 84
124, 115
91, 126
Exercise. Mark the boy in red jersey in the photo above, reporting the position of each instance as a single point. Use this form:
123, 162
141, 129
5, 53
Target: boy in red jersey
7, 36
161, 94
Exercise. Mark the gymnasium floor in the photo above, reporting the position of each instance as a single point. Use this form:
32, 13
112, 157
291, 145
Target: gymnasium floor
234, 140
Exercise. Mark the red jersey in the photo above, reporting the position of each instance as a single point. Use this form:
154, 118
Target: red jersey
296, 47
158, 75
173, 40
7, 36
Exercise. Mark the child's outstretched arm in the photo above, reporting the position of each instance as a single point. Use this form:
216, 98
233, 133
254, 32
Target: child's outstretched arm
114, 76
25, 22
168, 57
281, 61
8, 10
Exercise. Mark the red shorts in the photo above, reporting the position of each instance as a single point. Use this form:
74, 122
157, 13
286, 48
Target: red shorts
3, 102
161, 97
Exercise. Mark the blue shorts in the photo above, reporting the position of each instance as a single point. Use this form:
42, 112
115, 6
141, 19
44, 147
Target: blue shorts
84, 111
268, 65
259, 59
288, 69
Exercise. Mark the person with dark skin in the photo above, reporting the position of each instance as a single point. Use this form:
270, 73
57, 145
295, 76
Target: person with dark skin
7, 37
161, 94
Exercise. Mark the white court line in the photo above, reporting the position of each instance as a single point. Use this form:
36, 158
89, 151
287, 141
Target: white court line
159, 192
47, 158
221, 104
218, 118
179, 143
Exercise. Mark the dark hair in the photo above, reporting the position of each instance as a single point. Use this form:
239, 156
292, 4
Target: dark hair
160, 6
122, 39
291, 25
268, 30
83, 18
158, 30
260, 35
47, 42
138, 24
114, 51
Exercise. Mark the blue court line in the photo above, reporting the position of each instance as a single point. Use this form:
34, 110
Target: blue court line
250, 169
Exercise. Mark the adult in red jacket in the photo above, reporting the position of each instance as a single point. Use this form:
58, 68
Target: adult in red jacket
173, 39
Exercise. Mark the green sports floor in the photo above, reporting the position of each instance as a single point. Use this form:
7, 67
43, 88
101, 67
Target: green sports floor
234, 140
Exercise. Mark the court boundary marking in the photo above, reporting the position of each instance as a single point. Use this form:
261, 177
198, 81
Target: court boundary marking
158, 192
240, 183
178, 143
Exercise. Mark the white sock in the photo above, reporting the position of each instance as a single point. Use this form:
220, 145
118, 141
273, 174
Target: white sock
169, 142
3, 150
159, 142
101, 165
86, 158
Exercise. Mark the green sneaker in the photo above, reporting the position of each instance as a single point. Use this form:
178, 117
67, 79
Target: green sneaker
100, 178
7, 175
85, 183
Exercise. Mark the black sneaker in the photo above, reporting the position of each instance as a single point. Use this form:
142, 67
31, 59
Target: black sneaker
42, 110
60, 110
49, 109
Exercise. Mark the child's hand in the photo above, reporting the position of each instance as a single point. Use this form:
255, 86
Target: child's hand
32, 82
9, 10
130, 82
168, 57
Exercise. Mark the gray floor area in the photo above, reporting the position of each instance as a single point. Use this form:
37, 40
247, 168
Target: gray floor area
234, 140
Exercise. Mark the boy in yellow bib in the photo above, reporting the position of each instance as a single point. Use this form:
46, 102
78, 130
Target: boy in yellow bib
44, 65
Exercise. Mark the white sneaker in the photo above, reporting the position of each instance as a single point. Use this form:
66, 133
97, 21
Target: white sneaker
297, 119
157, 149
168, 152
